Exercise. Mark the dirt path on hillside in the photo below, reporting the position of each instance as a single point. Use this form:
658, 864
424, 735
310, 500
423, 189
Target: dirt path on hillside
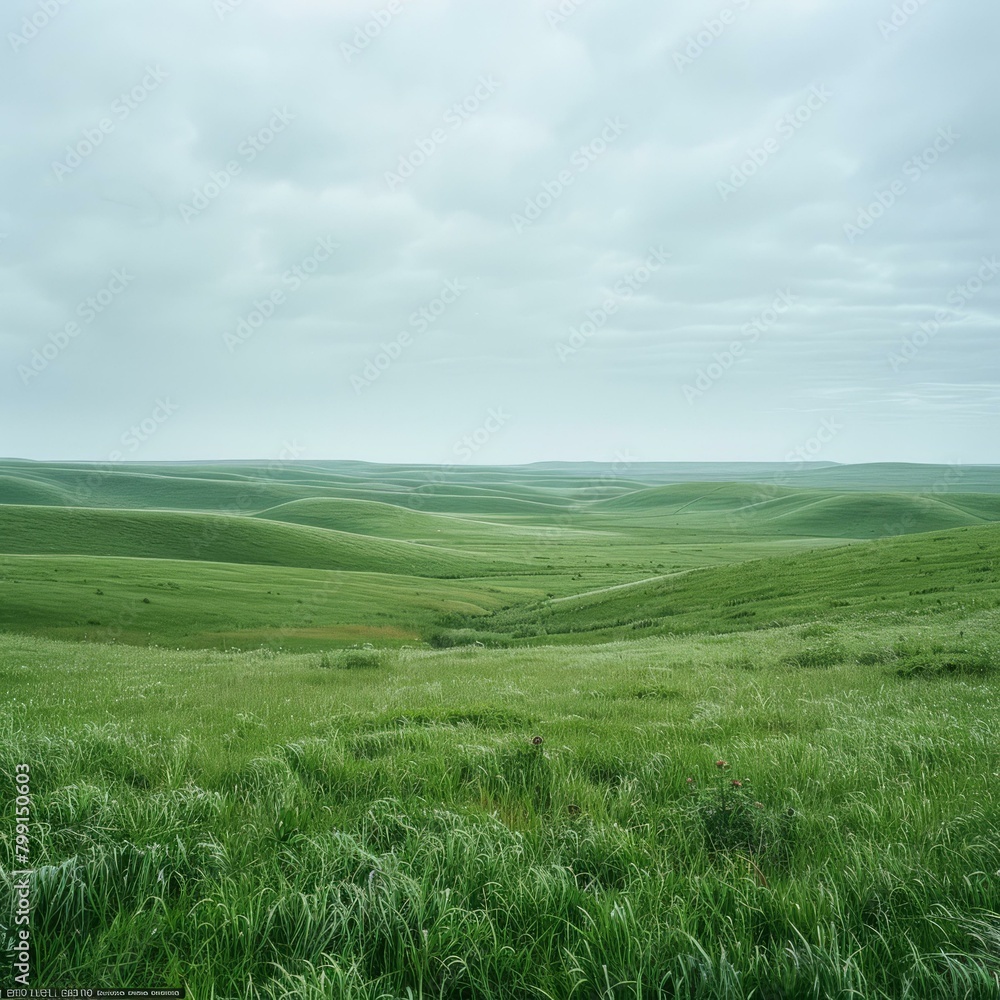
622, 586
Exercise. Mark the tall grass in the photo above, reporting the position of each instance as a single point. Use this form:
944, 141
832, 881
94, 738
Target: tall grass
515, 823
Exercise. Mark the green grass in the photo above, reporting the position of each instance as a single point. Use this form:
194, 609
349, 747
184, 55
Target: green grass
259, 824
219, 605
255, 778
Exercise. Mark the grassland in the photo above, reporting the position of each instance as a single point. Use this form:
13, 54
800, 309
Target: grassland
253, 774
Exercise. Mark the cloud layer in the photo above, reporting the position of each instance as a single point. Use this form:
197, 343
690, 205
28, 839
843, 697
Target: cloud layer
691, 234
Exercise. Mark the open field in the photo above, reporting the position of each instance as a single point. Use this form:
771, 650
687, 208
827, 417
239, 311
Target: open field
279, 726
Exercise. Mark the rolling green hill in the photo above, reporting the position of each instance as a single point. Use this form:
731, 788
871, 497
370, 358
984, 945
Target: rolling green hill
225, 605
27, 490
545, 530
925, 575
372, 517
222, 538
899, 476
876, 515
681, 497
771, 510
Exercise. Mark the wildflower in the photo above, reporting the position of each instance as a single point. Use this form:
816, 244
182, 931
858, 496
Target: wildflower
722, 764
690, 781
537, 741
736, 783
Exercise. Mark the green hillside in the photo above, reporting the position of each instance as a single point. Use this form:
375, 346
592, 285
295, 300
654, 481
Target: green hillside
771, 510
681, 497
221, 538
371, 517
875, 515
900, 476
226, 605
926, 575
27, 490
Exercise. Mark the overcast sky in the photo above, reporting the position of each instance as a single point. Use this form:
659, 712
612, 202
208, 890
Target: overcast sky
586, 230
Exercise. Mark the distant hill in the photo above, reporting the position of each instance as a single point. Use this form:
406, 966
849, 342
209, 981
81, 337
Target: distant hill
384, 520
221, 538
938, 573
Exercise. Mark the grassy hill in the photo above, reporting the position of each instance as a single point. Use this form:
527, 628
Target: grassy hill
927, 575
222, 538
876, 515
371, 517
27, 490
226, 605
764, 509
679, 497
899, 476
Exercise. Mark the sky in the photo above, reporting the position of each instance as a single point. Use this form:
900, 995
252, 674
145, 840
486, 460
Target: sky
500, 231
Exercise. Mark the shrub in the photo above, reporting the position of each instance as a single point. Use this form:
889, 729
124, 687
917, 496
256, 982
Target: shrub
733, 821
941, 664
449, 638
825, 655
357, 659
909, 659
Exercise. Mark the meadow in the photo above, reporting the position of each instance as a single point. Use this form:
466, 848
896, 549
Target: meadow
338, 730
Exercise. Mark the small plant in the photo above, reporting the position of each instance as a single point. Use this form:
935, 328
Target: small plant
735, 821
524, 772
356, 659
827, 654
